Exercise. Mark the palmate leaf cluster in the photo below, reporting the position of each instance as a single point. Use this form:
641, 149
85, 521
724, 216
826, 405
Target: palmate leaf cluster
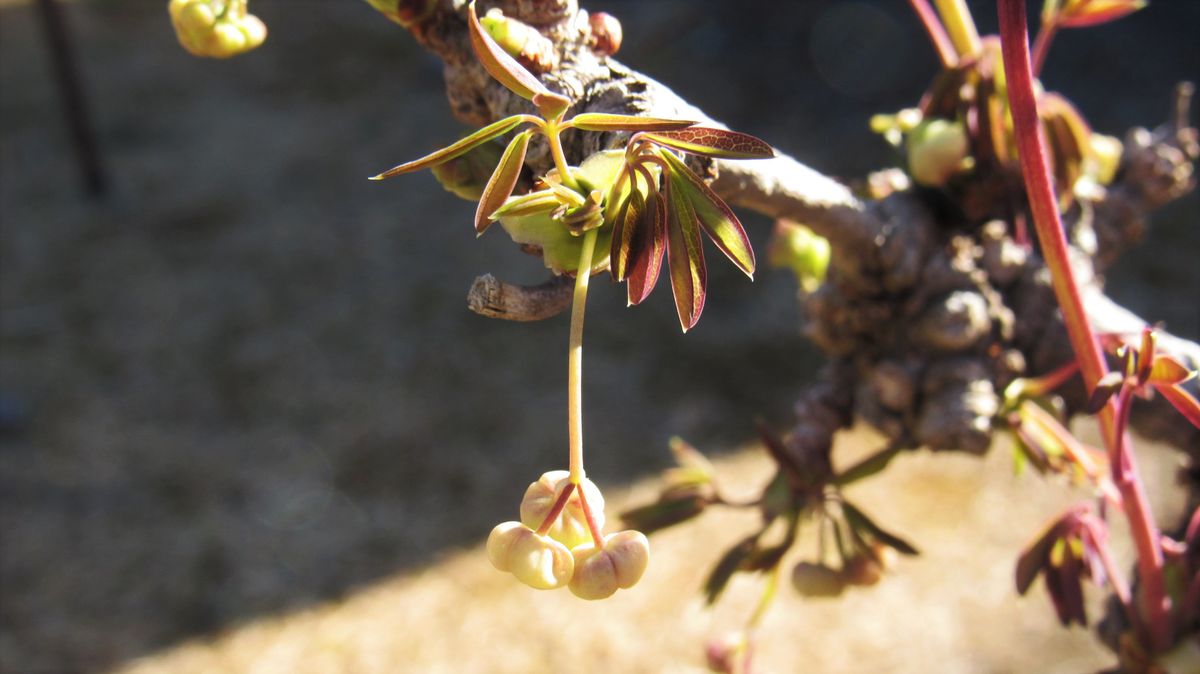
645, 201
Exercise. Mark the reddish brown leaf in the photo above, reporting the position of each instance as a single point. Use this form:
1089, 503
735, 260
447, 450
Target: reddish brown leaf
628, 219
646, 254
719, 222
685, 257
1035, 558
503, 179
709, 142
1106, 388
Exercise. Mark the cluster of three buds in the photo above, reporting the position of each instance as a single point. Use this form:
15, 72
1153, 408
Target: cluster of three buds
554, 545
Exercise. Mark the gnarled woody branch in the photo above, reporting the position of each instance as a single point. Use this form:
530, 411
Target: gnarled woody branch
873, 244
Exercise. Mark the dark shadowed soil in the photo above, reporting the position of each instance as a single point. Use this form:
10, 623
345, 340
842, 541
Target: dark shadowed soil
245, 380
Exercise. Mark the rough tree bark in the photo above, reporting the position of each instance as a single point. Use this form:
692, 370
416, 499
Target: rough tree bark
930, 308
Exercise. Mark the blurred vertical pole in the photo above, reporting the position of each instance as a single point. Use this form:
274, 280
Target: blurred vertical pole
66, 75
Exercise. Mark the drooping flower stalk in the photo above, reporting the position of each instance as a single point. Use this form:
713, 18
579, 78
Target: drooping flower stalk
575, 359
1036, 170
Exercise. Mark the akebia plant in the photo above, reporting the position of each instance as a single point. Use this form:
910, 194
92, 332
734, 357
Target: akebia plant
932, 290
620, 210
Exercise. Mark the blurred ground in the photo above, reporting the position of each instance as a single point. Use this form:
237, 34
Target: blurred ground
246, 381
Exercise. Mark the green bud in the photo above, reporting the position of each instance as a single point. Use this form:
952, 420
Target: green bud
796, 247
936, 150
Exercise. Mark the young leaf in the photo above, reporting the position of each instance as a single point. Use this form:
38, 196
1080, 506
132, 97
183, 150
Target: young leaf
1167, 370
508, 72
867, 467
664, 513
458, 149
714, 215
709, 142
858, 520
626, 223
504, 178
1035, 558
600, 121
1105, 388
685, 257
1084, 13
646, 253
728, 565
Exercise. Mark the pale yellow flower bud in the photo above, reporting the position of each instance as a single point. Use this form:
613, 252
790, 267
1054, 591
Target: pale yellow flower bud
215, 28
570, 528
538, 561
618, 565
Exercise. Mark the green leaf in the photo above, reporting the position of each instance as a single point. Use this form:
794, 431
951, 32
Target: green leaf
685, 257
460, 148
511, 74
600, 121
728, 565
503, 180
859, 521
646, 253
721, 225
709, 142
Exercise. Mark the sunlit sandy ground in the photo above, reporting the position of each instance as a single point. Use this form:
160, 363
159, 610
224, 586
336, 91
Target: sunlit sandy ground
953, 609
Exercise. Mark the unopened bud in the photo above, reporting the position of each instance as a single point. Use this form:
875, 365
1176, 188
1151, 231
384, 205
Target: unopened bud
605, 36
570, 527
724, 654
215, 29
538, 561
817, 580
936, 150
618, 565
862, 570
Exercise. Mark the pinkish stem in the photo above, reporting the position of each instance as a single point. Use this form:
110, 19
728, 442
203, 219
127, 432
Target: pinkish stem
1014, 40
593, 527
937, 32
557, 508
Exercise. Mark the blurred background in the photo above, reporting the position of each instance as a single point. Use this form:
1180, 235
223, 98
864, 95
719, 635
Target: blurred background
243, 381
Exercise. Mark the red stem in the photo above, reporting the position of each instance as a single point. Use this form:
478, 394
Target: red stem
597, 536
937, 32
1035, 166
557, 508
1115, 577
1041, 45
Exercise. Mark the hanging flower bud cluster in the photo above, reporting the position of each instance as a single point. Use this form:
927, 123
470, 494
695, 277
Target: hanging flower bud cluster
558, 541
216, 28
